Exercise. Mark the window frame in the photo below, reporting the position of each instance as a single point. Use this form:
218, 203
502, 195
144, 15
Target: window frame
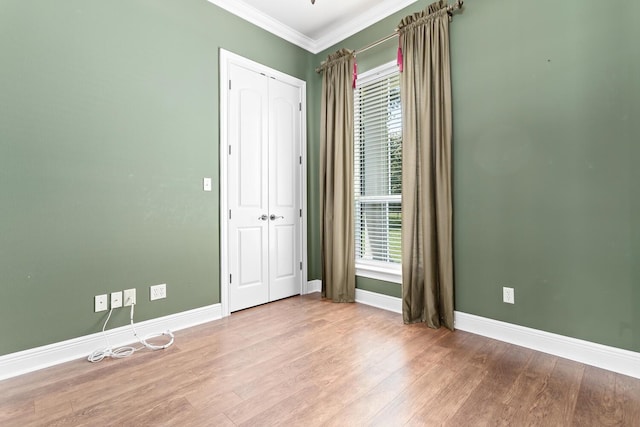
379, 270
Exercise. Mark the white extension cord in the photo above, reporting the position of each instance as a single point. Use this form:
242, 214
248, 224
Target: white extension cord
126, 351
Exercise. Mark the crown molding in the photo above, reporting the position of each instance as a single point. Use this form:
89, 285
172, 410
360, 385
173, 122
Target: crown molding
324, 41
359, 23
254, 16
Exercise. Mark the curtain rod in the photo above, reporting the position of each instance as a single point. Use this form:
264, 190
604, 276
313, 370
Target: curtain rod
376, 43
455, 6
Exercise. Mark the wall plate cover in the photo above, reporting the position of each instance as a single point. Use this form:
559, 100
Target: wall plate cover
116, 299
157, 292
206, 184
129, 297
100, 303
508, 295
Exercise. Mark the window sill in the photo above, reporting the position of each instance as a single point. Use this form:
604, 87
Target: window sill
379, 272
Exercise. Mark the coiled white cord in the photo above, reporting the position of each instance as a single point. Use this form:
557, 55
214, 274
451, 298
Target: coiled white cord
126, 351
144, 341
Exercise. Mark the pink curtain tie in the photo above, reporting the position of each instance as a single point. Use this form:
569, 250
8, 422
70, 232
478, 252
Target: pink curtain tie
400, 58
355, 73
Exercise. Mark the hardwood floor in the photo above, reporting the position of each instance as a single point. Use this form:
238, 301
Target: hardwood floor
304, 361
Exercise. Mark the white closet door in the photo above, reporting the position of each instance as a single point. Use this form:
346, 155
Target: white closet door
248, 190
284, 189
264, 193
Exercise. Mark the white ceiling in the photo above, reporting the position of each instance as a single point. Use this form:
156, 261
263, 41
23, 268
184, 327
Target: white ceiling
313, 27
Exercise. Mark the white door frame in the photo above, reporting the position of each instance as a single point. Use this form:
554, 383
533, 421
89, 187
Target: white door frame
226, 58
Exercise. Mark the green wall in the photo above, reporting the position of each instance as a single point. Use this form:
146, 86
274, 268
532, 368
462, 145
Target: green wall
547, 199
546, 102
108, 122
379, 286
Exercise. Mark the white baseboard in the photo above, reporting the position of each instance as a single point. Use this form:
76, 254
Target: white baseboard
312, 286
375, 299
611, 358
14, 364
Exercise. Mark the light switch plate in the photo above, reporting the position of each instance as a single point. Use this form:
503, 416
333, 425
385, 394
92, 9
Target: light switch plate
206, 184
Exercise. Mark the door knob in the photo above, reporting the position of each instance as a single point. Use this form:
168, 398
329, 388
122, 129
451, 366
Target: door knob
263, 217
273, 217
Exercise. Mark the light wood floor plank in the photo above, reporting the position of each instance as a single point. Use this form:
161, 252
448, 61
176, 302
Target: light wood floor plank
307, 362
599, 400
363, 409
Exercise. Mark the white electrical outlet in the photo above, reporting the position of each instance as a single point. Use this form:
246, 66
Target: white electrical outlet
129, 297
100, 303
508, 295
157, 292
116, 299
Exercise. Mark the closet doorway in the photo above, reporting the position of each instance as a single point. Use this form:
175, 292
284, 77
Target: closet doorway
262, 180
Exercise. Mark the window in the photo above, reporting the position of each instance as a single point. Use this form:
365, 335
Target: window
378, 174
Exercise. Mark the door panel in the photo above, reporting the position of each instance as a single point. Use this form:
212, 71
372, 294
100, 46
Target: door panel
251, 287
248, 189
284, 189
283, 119
251, 149
284, 244
251, 256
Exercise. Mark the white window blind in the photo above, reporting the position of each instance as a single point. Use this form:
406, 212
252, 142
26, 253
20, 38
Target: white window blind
377, 169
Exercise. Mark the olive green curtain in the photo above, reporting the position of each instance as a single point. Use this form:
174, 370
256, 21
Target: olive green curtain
427, 246
336, 178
